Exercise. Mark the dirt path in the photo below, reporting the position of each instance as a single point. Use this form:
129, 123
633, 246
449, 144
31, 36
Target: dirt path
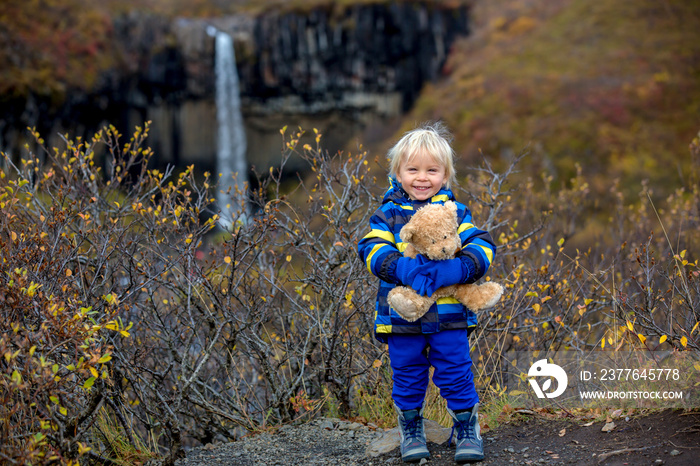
670, 438
664, 438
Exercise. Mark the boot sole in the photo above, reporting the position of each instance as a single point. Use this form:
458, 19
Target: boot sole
469, 458
415, 456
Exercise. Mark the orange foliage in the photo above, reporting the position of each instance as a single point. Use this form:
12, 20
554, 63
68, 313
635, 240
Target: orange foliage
66, 45
610, 85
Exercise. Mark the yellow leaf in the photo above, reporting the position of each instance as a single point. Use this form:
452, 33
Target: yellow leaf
642, 337
289, 258
377, 363
531, 293
89, 382
536, 307
695, 327
227, 259
69, 272
14, 236
663, 339
684, 341
105, 358
630, 326
602, 343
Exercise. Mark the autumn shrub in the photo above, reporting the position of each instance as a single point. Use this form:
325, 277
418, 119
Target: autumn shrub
634, 288
135, 325
61, 315
82, 247
151, 327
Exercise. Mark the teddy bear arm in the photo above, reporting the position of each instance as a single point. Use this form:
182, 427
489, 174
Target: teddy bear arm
445, 292
479, 297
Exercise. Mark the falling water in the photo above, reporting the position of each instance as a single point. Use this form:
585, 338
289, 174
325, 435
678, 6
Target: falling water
231, 144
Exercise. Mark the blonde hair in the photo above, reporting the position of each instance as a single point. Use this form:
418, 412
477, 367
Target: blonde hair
432, 138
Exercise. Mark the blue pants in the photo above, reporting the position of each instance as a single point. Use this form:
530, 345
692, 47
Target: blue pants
448, 352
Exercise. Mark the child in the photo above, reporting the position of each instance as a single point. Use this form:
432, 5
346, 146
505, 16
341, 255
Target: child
421, 172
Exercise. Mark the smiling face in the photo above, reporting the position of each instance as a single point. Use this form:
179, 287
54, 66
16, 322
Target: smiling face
421, 176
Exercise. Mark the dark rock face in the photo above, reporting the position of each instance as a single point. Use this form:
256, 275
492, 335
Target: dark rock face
338, 70
374, 49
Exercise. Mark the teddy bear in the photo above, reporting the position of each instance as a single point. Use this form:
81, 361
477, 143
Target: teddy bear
432, 232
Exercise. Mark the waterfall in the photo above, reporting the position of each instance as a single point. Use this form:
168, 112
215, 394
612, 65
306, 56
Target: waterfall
231, 140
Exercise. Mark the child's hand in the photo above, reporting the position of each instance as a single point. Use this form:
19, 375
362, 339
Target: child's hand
410, 270
444, 273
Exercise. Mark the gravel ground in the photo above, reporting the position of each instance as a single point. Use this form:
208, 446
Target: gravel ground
669, 437
320, 442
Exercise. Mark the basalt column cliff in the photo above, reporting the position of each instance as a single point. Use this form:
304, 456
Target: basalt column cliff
337, 69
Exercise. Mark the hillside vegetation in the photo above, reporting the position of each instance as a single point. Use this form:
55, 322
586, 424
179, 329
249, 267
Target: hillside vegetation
611, 85
66, 46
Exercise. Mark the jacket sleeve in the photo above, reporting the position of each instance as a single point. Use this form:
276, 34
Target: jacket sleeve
377, 249
477, 245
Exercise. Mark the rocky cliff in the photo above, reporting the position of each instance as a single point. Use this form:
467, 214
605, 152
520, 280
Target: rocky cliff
336, 69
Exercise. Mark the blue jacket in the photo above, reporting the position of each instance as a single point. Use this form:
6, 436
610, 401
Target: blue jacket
382, 246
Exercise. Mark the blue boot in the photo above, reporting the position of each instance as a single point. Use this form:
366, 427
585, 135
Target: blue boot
413, 443
470, 447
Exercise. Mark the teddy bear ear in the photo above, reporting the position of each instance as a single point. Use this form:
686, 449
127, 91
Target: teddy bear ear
451, 206
406, 233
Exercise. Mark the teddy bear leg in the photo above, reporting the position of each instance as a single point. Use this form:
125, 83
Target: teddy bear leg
493, 291
480, 297
407, 303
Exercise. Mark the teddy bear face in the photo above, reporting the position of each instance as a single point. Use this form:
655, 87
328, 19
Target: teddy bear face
433, 231
438, 245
